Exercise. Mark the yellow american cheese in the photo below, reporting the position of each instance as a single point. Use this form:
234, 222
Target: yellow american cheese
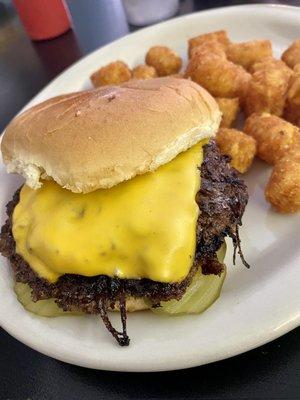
142, 228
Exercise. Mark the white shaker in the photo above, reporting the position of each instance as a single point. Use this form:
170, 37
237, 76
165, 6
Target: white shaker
146, 12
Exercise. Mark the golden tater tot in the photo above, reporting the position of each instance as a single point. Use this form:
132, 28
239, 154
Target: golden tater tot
111, 74
283, 188
274, 136
271, 63
164, 60
220, 77
212, 46
296, 68
230, 109
219, 36
292, 107
248, 53
239, 146
267, 88
291, 56
144, 72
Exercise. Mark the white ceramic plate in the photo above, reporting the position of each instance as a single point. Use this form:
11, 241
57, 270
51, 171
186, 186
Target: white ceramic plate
256, 305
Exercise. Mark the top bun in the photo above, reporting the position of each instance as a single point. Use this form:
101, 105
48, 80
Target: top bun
101, 137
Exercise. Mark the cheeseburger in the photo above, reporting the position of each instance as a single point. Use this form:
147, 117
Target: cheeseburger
126, 202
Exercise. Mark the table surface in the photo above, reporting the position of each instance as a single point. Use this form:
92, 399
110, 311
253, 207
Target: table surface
269, 372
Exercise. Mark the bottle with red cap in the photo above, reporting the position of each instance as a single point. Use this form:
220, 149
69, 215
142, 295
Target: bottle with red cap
43, 19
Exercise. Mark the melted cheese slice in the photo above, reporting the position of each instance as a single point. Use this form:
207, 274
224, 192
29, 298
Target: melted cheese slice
142, 228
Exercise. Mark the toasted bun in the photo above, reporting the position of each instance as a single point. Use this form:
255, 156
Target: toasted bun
133, 304
99, 138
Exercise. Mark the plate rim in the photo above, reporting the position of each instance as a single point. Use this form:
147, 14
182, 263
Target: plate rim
163, 366
109, 366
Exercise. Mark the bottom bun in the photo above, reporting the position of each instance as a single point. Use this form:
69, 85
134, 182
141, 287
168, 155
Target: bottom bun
134, 304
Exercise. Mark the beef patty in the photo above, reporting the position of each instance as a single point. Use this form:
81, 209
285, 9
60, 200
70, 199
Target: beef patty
222, 199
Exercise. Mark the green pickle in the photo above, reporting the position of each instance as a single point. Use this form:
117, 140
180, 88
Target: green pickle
43, 308
203, 291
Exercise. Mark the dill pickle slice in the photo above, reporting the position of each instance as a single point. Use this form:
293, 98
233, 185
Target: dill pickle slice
203, 291
43, 308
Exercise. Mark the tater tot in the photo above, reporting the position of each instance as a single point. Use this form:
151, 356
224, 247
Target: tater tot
292, 107
219, 36
283, 188
274, 136
248, 53
220, 77
239, 146
291, 56
271, 63
212, 46
296, 68
267, 89
144, 72
230, 109
164, 60
113, 73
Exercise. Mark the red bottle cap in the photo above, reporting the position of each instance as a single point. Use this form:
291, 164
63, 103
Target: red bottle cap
43, 19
